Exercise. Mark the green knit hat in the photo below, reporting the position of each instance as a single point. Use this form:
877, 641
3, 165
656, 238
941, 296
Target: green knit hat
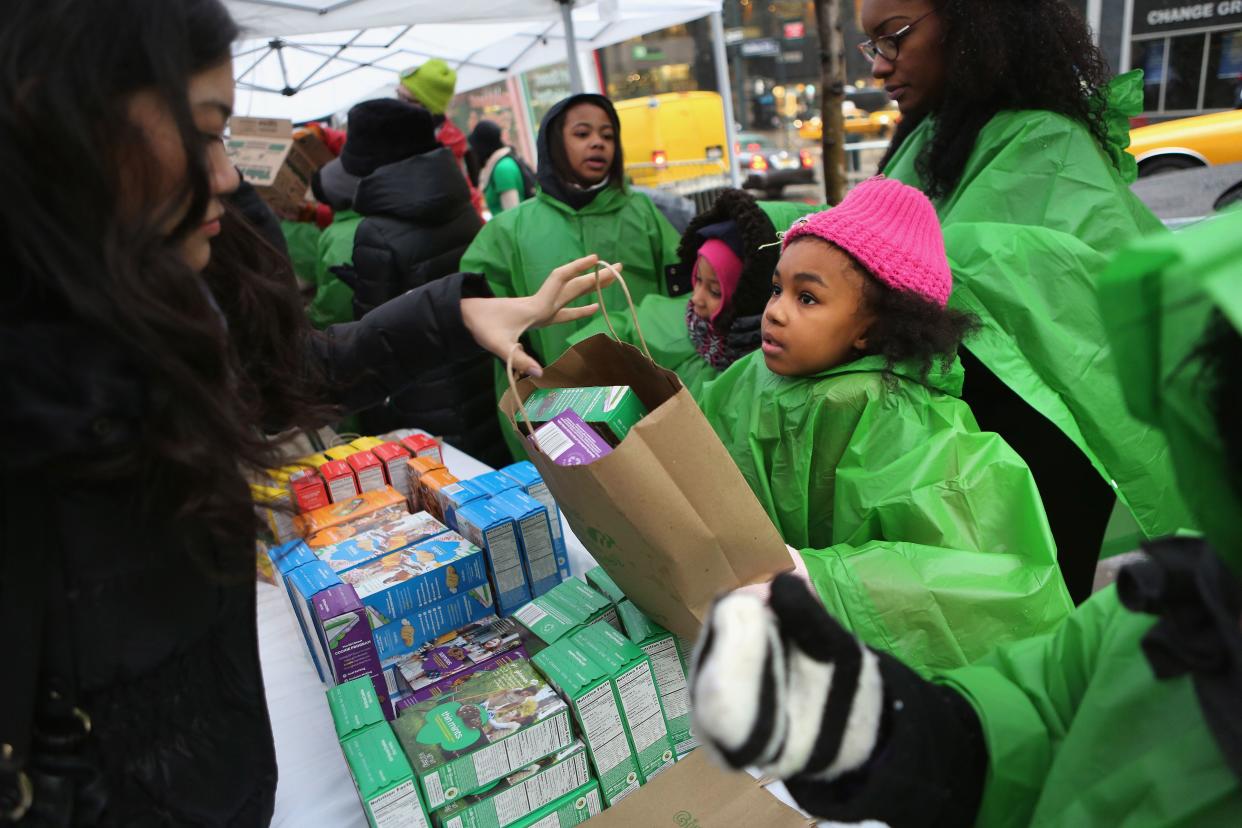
432, 84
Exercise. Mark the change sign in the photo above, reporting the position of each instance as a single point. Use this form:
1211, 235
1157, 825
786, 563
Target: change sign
1161, 16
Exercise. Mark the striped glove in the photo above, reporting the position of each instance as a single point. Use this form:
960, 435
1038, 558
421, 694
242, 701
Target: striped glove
782, 687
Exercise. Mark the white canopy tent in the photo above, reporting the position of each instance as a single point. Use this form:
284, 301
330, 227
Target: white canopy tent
309, 59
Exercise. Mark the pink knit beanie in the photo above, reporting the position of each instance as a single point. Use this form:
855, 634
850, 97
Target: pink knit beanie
728, 269
893, 231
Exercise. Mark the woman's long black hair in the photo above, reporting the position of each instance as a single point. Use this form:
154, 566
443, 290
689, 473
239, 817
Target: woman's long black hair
1006, 55
75, 164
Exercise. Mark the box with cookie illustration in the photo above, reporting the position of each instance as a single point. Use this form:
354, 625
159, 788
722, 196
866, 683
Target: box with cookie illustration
364, 505
438, 666
345, 636
356, 543
400, 637
495, 724
496, 532
528, 478
519, 794
401, 582
570, 810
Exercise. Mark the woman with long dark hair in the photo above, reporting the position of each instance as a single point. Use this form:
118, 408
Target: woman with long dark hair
140, 373
1010, 125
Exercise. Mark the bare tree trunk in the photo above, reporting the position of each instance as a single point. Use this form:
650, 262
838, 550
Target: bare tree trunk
832, 96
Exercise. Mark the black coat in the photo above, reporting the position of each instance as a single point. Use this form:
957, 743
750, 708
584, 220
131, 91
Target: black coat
417, 223
160, 624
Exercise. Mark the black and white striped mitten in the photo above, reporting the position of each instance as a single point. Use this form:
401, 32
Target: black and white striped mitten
855, 734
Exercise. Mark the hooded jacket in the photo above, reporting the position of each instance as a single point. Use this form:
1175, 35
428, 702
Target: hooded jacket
519, 248
923, 535
417, 221
1039, 211
157, 621
662, 319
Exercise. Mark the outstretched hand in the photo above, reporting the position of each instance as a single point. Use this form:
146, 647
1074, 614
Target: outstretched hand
497, 324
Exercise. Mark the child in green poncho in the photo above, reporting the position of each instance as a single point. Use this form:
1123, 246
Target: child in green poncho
923, 534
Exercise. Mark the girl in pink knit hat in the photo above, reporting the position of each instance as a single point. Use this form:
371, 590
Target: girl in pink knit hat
924, 534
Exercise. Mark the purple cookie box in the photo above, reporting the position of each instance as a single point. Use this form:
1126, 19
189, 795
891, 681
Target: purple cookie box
351, 651
445, 684
584, 445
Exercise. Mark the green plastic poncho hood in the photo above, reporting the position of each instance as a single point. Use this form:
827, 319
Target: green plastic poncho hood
1038, 214
922, 534
1156, 300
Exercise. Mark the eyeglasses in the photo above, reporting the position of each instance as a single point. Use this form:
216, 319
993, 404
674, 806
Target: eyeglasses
889, 46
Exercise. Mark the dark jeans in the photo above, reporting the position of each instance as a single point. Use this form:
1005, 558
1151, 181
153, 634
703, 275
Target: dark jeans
1078, 501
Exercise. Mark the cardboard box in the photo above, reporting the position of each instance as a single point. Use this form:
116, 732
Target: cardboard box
399, 583
370, 504
430, 485
456, 495
373, 537
610, 410
535, 538
438, 666
450, 682
569, 441
409, 632
668, 663
303, 584
275, 507
699, 793
368, 470
287, 557
603, 583
384, 779
344, 632
568, 811
519, 794
587, 686
278, 165
495, 531
309, 491
632, 677
421, 445
527, 477
354, 707
494, 483
563, 610
367, 443
394, 458
496, 723
315, 461
340, 452
342, 485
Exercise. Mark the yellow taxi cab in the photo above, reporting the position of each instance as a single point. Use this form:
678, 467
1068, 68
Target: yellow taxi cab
858, 122
1201, 141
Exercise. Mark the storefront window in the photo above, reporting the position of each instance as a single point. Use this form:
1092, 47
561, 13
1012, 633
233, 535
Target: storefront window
1185, 68
1224, 74
1148, 55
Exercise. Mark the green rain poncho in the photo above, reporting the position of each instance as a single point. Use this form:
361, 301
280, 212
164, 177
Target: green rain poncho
663, 319
922, 534
334, 300
517, 250
1078, 728
302, 238
1038, 213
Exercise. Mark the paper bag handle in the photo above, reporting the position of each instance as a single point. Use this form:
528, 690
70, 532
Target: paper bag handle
599, 292
511, 375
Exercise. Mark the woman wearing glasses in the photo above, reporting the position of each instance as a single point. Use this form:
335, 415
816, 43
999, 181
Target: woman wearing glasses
1011, 127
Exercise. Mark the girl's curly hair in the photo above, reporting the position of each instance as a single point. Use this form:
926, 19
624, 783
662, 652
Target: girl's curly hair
908, 328
1006, 55
756, 230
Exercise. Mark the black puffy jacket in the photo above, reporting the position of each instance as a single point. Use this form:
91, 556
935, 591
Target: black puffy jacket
155, 627
417, 223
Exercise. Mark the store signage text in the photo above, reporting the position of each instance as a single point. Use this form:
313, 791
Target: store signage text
1159, 16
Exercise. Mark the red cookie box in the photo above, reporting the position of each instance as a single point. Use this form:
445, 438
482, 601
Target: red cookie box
339, 475
368, 471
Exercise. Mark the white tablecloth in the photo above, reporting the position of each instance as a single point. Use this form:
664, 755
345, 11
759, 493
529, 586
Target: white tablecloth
315, 787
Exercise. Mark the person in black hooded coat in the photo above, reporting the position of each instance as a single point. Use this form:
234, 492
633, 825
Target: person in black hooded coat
417, 222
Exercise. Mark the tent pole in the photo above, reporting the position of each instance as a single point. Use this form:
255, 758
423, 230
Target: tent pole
571, 47
726, 95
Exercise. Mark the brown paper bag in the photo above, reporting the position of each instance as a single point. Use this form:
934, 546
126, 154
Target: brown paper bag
697, 794
667, 514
